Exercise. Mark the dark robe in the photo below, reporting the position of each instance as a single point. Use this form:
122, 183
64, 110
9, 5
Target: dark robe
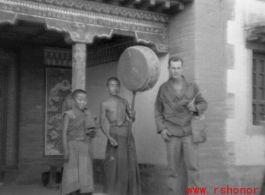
78, 174
120, 166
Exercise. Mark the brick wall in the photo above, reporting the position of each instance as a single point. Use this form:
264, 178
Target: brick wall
198, 36
181, 37
210, 73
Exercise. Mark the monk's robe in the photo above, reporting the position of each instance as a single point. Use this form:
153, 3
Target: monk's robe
120, 166
78, 174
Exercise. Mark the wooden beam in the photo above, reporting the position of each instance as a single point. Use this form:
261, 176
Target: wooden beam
186, 1
146, 4
162, 5
114, 2
167, 6
262, 39
122, 1
98, 1
129, 2
252, 38
151, 3
176, 6
159, 5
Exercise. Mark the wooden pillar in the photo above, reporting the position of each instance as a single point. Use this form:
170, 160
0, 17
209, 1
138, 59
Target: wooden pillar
79, 66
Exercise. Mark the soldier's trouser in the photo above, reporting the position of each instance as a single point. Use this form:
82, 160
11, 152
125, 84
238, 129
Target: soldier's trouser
178, 148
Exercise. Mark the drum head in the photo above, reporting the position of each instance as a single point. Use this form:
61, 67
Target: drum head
138, 68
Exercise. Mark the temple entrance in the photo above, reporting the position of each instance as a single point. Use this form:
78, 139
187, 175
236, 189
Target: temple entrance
22, 83
43, 59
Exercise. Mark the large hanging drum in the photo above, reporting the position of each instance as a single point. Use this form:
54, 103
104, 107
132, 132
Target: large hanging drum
138, 68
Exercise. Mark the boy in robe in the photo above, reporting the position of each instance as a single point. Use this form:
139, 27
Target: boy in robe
78, 129
120, 166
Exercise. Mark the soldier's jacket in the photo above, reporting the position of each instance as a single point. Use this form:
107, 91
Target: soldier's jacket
171, 111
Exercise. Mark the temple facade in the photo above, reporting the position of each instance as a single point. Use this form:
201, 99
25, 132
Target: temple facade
50, 47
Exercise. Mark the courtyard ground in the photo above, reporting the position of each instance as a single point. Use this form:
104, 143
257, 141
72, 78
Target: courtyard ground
33, 189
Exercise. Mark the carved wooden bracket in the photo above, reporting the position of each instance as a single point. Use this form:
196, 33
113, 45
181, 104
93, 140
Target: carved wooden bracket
81, 26
7, 17
159, 41
96, 56
78, 32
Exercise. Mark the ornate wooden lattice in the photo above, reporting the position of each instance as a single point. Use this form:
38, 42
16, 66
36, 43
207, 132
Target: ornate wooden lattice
258, 84
97, 56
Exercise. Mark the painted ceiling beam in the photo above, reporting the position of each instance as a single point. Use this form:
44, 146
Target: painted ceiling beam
146, 4
167, 6
129, 2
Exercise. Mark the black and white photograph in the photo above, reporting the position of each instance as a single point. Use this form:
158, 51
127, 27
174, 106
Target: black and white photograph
132, 97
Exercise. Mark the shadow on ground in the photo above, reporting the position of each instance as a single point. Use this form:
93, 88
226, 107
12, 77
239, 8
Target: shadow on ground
33, 189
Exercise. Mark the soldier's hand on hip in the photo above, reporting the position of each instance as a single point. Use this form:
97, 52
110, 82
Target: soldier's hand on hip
192, 107
165, 135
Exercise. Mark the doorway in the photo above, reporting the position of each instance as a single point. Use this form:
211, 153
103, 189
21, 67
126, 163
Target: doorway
8, 114
3, 90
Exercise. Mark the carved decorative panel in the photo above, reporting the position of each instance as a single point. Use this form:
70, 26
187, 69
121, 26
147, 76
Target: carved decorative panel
107, 54
58, 57
98, 19
107, 9
63, 57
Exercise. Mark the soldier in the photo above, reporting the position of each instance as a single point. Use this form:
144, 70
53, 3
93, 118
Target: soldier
173, 112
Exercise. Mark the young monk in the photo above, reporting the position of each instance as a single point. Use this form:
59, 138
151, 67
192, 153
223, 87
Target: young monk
78, 128
120, 165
